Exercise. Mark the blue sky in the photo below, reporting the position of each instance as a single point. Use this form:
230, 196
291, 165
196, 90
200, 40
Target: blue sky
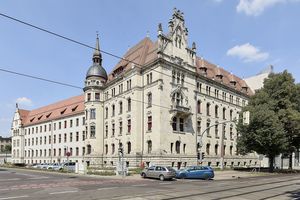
243, 36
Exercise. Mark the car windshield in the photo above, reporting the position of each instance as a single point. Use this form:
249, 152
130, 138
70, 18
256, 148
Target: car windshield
171, 169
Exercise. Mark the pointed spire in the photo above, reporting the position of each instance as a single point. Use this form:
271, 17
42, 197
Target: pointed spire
97, 57
17, 106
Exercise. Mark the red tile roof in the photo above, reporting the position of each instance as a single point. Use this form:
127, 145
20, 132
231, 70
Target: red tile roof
64, 108
146, 51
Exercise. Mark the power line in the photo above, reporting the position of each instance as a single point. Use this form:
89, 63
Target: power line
39, 78
85, 45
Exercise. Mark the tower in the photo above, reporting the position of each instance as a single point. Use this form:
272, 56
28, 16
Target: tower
95, 80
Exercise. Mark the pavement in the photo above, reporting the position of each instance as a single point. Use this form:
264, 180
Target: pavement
219, 175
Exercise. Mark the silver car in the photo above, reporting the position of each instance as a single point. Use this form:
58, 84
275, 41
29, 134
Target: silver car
160, 172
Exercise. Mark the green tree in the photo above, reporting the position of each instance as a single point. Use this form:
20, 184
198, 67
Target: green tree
284, 95
274, 115
264, 134
7, 148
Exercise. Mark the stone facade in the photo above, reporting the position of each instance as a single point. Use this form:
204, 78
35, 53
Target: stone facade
161, 104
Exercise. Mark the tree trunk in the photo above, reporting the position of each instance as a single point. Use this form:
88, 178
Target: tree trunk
271, 164
291, 161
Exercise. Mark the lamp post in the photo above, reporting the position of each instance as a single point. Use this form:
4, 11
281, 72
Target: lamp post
222, 143
31, 155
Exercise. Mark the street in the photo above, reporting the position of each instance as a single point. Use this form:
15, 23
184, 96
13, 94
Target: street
27, 184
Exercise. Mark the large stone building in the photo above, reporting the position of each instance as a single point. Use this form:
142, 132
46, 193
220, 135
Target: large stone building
156, 104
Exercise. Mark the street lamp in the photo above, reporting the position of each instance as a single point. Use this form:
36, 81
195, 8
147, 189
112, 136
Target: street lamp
222, 143
31, 155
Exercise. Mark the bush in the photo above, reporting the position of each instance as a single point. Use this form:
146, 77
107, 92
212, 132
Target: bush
102, 173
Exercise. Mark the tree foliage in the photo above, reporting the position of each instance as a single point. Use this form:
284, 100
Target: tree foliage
274, 126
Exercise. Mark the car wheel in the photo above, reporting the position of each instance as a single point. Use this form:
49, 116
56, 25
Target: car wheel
161, 177
206, 177
144, 175
182, 176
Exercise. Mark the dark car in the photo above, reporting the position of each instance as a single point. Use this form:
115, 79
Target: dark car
201, 172
160, 172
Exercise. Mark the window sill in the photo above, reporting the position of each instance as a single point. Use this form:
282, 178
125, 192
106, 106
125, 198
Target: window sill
128, 133
179, 132
209, 136
112, 136
148, 131
119, 134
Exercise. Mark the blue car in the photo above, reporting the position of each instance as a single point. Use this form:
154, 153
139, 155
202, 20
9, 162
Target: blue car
201, 172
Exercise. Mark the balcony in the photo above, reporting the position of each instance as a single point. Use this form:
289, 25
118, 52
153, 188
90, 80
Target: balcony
180, 110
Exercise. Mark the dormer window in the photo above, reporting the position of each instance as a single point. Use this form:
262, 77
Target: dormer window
74, 109
47, 116
203, 68
40, 117
63, 111
31, 120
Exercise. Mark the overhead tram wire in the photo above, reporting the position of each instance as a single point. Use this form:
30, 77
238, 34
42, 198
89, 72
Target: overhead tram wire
68, 85
88, 46
39, 78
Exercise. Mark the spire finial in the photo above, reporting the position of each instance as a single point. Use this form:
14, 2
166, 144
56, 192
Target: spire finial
97, 57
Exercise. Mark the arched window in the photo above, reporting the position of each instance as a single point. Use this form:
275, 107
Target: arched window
216, 149
174, 124
208, 109
198, 106
149, 99
128, 147
106, 149
129, 104
224, 113
230, 114
112, 148
89, 149
121, 107
216, 111
113, 110
177, 147
207, 149
106, 112
149, 148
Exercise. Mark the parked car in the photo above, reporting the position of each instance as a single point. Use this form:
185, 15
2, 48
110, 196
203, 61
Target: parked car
51, 166
160, 172
201, 172
69, 166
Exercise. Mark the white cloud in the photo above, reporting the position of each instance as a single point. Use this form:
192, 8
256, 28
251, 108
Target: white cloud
257, 7
24, 101
248, 53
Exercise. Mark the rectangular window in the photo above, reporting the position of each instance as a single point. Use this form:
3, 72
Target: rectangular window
65, 124
77, 151
181, 124
50, 141
45, 139
77, 136
71, 137
216, 131
54, 139
93, 132
77, 121
83, 121
59, 138
71, 123
83, 135
59, 125
120, 128
65, 138
113, 130
129, 126
89, 96
45, 128
97, 96
149, 123
129, 105
49, 127
93, 113
199, 127
106, 131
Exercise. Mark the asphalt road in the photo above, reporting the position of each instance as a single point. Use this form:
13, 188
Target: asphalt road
26, 184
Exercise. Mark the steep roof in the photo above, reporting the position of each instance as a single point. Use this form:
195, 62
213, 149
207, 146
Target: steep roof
142, 53
146, 51
64, 108
213, 70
